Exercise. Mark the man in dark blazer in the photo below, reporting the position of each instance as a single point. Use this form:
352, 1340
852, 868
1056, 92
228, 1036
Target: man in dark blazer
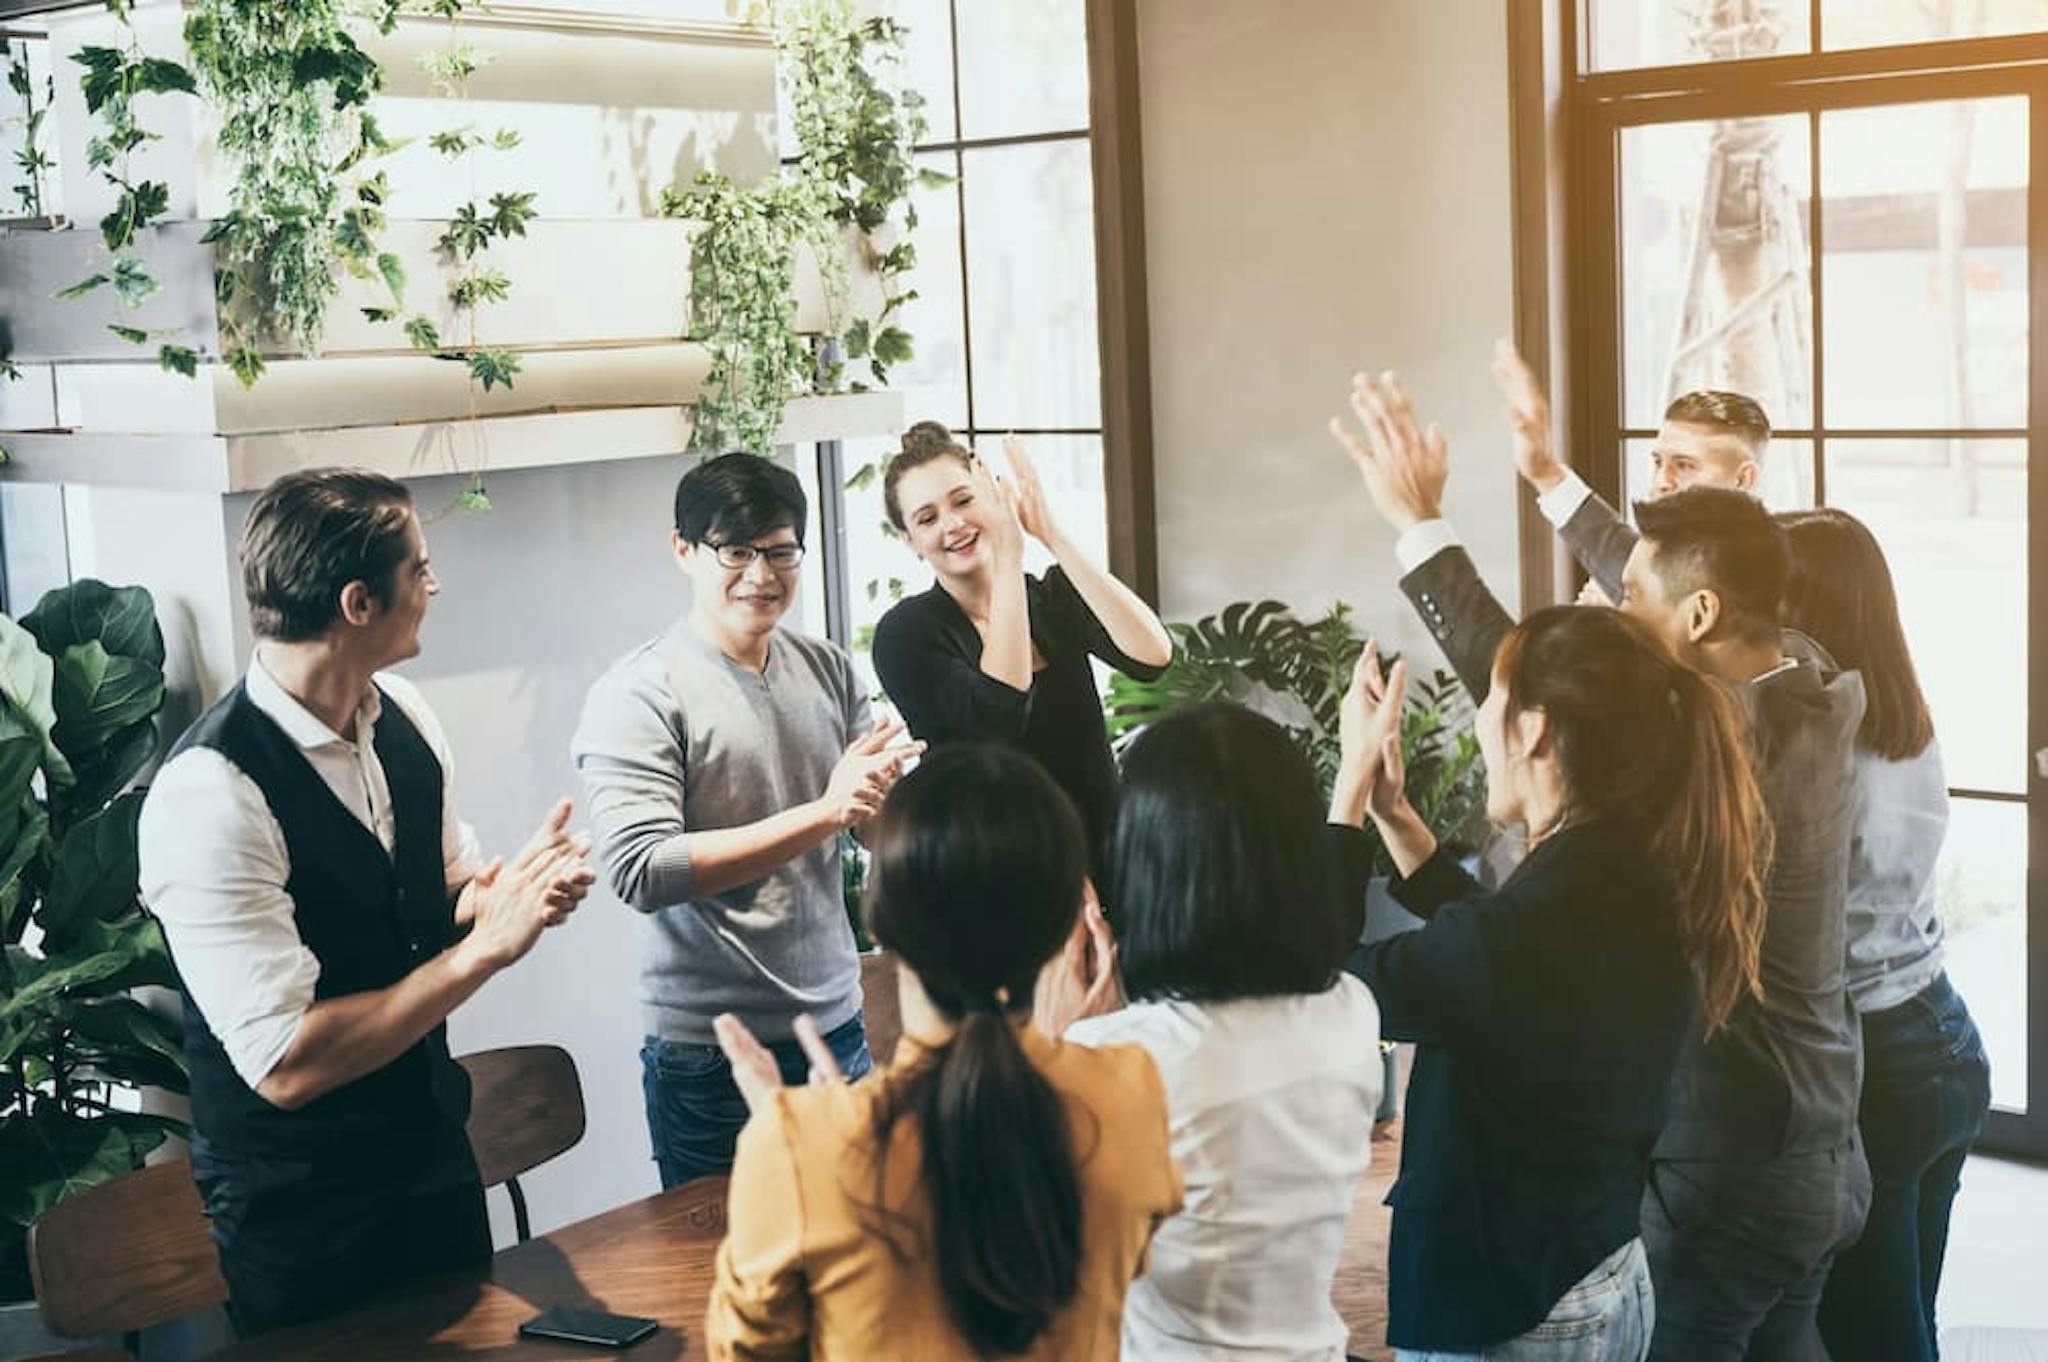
1758, 1179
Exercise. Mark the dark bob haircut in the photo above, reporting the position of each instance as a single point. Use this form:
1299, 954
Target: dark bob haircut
1220, 869
738, 497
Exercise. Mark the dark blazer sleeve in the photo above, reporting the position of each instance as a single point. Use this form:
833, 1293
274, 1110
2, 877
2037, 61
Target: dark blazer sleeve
1434, 984
1461, 614
1063, 614
940, 690
1601, 540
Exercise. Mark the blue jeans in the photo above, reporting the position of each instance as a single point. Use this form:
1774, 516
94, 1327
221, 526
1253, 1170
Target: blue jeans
1926, 1087
1607, 1317
695, 1111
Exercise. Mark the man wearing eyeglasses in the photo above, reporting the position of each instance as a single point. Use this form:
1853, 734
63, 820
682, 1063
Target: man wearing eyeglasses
721, 760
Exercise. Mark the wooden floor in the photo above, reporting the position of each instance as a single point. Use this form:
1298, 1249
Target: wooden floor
1361, 1287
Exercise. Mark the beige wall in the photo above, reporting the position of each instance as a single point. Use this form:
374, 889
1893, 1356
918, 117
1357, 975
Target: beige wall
1326, 188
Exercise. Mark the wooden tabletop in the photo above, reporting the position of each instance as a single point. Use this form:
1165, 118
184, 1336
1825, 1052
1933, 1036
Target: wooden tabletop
651, 1257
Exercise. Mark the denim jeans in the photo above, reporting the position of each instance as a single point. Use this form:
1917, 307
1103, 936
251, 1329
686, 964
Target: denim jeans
694, 1109
1739, 1253
1607, 1317
1926, 1087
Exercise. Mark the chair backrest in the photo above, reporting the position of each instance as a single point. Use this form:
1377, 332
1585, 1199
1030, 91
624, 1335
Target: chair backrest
880, 1003
125, 1255
526, 1106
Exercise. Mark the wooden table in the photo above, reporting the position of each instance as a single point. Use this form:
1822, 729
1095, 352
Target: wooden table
650, 1257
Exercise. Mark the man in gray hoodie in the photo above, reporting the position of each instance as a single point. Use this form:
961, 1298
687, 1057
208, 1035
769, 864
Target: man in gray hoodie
1759, 1178
721, 760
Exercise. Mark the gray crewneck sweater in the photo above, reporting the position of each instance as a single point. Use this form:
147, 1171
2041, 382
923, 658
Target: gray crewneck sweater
677, 738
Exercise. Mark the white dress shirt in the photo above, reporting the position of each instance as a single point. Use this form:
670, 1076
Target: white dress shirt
1269, 1106
214, 866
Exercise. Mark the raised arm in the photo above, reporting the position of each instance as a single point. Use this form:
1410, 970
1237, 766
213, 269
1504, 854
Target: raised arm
1130, 628
1591, 529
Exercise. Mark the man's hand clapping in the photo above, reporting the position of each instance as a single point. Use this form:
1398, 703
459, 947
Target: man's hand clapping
509, 904
865, 775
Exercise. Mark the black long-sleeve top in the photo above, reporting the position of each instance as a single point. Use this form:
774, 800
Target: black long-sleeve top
928, 655
1549, 1016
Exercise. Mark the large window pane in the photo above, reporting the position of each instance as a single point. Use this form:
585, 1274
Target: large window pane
1785, 483
1714, 265
1031, 286
1924, 267
1951, 515
1023, 67
933, 380
928, 59
1981, 889
1875, 23
1631, 33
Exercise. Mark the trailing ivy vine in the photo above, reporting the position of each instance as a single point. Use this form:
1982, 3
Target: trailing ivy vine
112, 79
854, 127
32, 158
470, 233
292, 87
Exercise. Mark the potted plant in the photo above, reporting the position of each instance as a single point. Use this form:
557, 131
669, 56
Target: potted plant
81, 680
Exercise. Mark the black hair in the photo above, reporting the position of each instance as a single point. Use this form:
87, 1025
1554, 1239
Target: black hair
1711, 538
1219, 863
738, 497
311, 533
976, 881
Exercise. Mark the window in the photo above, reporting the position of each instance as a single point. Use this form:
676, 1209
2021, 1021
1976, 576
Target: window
1831, 205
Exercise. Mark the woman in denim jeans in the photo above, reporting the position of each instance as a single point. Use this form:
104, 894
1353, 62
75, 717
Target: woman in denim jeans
1926, 1083
1550, 1014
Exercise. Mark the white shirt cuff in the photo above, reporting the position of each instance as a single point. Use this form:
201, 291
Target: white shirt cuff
1562, 502
1423, 541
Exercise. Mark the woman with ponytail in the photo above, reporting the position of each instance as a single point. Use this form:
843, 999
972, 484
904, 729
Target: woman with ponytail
992, 653
1550, 1014
991, 1193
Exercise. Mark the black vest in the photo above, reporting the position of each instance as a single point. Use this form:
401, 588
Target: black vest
369, 918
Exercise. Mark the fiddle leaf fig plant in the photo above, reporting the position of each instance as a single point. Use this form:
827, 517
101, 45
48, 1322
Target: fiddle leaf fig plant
81, 681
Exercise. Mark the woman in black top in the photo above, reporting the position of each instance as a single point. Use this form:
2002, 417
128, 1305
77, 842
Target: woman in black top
991, 653
1550, 1014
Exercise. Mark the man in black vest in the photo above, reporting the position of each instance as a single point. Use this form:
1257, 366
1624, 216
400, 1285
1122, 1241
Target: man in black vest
327, 910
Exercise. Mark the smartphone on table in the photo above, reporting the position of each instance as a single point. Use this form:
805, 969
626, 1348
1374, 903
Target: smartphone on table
598, 1328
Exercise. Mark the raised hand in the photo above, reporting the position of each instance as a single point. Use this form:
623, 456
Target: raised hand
867, 771
1403, 465
1082, 980
1028, 493
1368, 715
512, 903
1002, 525
1528, 417
754, 1070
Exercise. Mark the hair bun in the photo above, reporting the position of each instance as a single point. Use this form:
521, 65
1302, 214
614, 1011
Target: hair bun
929, 438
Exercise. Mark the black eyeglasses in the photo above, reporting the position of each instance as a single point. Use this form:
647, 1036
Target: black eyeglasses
736, 557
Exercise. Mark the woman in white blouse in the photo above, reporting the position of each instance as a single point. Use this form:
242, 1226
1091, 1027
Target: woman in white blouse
1232, 936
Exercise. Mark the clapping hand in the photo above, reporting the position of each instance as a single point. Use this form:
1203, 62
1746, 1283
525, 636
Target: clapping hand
1028, 495
867, 772
754, 1070
1404, 466
1528, 417
509, 904
1369, 772
1003, 524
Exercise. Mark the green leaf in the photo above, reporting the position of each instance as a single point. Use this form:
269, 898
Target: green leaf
160, 76
98, 696
102, 959
121, 618
467, 233
83, 286
511, 212
484, 286
504, 139
27, 679
423, 334
378, 314
858, 339
133, 281
492, 367
863, 478
246, 362
25, 843
393, 271
134, 335
178, 359
95, 875
892, 346
474, 500
102, 78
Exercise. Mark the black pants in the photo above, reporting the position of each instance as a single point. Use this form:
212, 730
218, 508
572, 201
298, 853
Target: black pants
1739, 1254
298, 1242
1926, 1087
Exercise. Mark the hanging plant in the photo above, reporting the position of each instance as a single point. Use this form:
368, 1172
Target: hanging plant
31, 158
112, 79
292, 88
469, 234
743, 302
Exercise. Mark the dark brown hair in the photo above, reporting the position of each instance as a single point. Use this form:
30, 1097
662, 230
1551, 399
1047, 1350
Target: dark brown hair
1726, 412
1655, 746
1841, 594
923, 443
976, 882
1711, 538
309, 535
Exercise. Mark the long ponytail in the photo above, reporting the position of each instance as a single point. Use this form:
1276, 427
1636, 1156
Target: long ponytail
976, 882
1652, 744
